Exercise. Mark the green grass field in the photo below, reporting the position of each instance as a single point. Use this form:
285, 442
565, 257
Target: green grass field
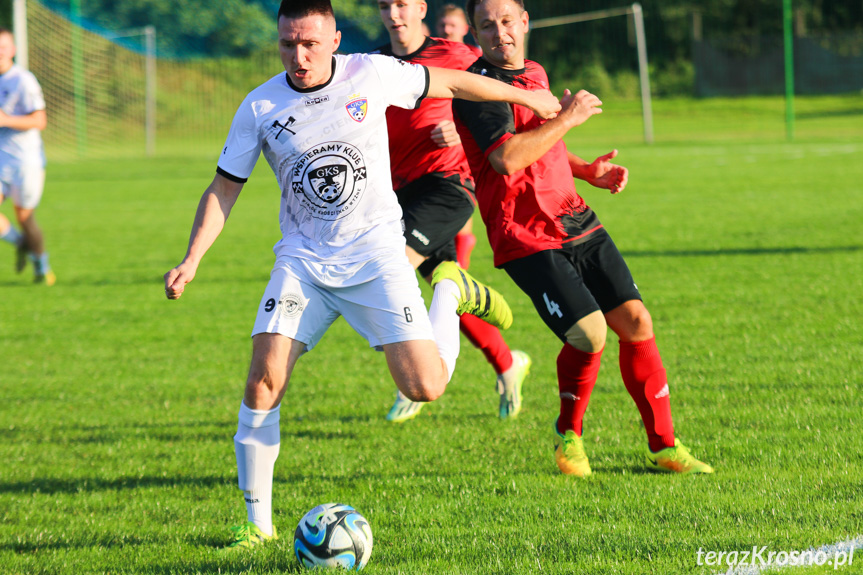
117, 407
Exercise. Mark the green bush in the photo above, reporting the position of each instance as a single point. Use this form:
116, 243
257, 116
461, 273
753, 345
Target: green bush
674, 79
623, 85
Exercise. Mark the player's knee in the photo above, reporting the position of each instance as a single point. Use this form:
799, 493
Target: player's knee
263, 386
24, 216
421, 389
631, 321
588, 333
640, 324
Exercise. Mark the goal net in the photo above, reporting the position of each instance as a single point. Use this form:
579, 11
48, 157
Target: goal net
95, 98
96, 86
605, 53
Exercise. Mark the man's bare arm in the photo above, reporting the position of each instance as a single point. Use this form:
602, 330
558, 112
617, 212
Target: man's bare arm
445, 83
213, 211
525, 148
37, 120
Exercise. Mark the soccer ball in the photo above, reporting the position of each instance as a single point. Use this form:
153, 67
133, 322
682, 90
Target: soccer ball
333, 536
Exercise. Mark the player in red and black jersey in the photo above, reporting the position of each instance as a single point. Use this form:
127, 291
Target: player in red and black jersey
554, 246
452, 25
432, 180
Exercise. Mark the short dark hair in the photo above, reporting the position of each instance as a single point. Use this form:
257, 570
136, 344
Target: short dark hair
470, 8
302, 8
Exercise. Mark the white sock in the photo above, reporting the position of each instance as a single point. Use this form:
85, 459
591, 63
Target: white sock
257, 447
445, 322
12, 235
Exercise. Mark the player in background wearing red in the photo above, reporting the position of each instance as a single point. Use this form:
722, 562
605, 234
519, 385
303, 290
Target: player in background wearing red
433, 184
452, 25
554, 246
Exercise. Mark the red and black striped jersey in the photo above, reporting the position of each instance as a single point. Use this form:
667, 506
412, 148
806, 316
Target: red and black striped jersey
534, 209
412, 152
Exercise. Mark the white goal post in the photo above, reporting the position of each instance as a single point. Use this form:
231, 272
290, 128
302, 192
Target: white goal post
19, 28
641, 46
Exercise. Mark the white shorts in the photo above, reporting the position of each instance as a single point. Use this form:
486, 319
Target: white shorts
24, 184
380, 298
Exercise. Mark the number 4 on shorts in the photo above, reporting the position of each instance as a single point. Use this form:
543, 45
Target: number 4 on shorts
553, 308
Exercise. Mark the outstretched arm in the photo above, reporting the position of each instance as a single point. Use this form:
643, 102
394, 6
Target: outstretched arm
37, 119
600, 173
213, 210
445, 83
525, 148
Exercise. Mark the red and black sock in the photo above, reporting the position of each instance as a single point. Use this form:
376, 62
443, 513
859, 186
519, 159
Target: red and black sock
645, 380
576, 375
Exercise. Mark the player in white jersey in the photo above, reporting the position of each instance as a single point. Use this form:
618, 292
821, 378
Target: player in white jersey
321, 126
22, 160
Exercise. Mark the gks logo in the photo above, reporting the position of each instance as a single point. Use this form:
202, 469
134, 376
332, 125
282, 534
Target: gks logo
329, 180
357, 108
291, 305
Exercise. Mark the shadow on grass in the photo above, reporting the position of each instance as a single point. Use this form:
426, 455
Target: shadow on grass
278, 558
51, 486
209, 544
213, 431
740, 252
625, 469
111, 434
100, 540
828, 114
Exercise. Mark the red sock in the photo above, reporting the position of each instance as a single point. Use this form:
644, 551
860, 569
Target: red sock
576, 376
488, 339
464, 244
645, 380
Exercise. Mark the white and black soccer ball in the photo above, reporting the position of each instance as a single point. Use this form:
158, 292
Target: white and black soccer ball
333, 536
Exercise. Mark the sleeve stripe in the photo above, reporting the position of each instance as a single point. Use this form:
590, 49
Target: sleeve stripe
230, 176
426, 90
495, 145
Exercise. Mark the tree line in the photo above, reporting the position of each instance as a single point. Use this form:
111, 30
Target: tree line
240, 27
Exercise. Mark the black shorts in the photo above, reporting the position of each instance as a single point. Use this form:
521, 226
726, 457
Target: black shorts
435, 209
567, 284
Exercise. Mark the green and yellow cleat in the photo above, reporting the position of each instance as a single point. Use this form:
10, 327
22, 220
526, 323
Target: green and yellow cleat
248, 535
569, 453
509, 385
404, 409
48, 278
476, 298
676, 459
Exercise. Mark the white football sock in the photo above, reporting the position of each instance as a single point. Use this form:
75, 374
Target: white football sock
257, 447
445, 322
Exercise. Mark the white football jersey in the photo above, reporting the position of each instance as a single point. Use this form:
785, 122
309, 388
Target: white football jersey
20, 94
328, 147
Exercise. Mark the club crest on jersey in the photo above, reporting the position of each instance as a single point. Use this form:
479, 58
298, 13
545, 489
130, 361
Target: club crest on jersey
329, 180
357, 108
